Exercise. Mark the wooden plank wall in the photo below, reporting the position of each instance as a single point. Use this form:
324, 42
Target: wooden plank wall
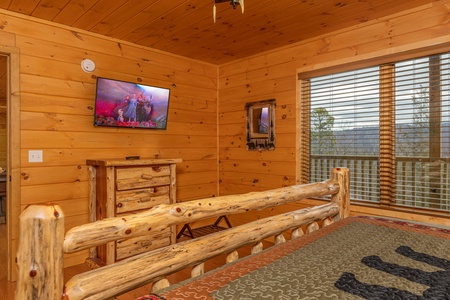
3, 91
274, 75
57, 100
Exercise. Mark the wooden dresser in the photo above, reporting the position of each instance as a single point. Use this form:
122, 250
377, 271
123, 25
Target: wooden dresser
125, 186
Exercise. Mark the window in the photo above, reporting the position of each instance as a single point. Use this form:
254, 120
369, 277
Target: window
389, 124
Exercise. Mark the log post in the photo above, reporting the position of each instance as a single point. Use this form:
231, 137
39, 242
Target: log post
296, 233
280, 239
312, 227
40, 253
232, 256
258, 247
327, 222
160, 284
342, 198
198, 270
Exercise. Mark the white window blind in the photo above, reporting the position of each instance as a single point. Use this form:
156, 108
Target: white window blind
344, 128
422, 132
388, 124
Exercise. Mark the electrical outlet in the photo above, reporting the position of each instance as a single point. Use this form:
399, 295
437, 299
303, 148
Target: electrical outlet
35, 156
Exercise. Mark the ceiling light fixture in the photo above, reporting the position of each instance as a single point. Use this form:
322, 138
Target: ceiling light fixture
234, 3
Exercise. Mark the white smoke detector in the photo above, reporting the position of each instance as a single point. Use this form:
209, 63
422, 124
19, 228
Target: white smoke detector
87, 65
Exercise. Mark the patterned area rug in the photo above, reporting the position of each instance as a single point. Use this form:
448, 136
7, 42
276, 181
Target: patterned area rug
357, 258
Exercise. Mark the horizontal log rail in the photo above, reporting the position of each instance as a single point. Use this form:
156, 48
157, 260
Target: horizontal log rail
147, 222
43, 243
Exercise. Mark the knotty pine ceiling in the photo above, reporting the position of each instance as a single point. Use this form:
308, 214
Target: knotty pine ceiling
186, 27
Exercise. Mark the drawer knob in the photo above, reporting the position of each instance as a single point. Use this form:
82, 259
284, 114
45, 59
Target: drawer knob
119, 205
146, 177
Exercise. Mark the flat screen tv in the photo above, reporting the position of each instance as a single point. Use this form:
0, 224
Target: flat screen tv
127, 104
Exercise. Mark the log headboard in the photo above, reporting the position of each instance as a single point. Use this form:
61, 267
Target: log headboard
43, 241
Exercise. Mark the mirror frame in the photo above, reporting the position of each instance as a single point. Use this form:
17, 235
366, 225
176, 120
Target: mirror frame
260, 141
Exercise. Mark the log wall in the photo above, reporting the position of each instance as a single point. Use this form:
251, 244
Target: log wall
56, 114
273, 75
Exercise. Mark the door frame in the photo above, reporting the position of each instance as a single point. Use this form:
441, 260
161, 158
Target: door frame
13, 200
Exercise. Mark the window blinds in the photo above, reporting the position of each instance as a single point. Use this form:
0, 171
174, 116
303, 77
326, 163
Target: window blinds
422, 132
344, 128
389, 124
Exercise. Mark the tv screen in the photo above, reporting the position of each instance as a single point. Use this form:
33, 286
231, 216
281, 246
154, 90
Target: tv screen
127, 104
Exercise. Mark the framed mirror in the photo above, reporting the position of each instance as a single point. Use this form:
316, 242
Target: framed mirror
261, 125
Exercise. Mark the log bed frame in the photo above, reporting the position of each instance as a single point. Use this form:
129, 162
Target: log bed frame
43, 241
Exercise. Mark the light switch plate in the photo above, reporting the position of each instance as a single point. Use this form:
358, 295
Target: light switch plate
35, 156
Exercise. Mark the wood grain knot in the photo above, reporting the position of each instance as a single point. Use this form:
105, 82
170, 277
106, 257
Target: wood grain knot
33, 273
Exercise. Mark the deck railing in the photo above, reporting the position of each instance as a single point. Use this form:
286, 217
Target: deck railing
419, 182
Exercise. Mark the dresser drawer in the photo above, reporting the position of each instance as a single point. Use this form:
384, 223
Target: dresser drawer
133, 246
132, 200
141, 177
